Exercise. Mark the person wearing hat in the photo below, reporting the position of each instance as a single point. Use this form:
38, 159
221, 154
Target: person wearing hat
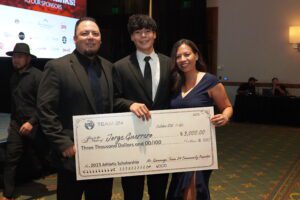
23, 127
248, 88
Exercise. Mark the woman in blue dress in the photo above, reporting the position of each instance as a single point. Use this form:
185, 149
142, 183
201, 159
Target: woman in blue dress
193, 87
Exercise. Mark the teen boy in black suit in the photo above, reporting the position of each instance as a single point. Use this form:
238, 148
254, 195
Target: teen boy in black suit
142, 84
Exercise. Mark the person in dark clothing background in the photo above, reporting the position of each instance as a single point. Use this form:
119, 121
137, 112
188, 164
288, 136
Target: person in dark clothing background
277, 88
248, 88
23, 131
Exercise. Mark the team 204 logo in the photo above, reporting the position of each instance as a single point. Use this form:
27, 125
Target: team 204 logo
89, 124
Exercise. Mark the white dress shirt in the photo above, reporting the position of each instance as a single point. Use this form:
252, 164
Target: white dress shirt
155, 69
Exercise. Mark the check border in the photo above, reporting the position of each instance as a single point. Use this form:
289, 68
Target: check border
143, 170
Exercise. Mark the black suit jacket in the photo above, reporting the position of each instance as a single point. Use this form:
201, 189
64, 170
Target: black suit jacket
65, 91
130, 87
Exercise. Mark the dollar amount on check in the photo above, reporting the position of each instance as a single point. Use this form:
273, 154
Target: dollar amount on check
120, 144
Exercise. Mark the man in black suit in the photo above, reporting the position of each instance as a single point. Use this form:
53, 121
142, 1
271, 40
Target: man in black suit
139, 90
79, 83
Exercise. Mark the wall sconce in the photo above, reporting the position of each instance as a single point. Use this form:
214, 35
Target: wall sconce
294, 36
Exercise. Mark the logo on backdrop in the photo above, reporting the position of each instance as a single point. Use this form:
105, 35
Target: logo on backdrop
21, 36
63, 27
64, 39
17, 21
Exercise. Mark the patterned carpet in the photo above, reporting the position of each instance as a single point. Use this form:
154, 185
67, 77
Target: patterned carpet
256, 162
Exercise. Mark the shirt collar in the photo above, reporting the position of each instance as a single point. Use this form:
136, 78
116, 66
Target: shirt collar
140, 55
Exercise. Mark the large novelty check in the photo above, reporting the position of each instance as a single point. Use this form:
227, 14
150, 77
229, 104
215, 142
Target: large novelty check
116, 145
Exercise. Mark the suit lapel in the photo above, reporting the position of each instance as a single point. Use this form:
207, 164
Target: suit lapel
135, 68
108, 80
83, 79
163, 75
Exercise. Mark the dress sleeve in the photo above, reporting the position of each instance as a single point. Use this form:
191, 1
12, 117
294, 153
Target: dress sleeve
212, 80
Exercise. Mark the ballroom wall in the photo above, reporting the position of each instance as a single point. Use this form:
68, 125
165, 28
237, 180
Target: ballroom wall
253, 41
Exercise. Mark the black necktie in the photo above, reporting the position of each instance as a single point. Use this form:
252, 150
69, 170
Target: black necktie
148, 76
95, 85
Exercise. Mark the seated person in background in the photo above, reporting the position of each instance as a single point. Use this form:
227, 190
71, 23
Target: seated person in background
247, 88
277, 88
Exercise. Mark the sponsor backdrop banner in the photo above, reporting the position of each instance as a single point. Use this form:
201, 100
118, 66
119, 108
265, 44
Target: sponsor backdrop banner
46, 25
68, 8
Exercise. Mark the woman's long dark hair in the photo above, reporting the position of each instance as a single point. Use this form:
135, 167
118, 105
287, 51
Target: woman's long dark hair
177, 76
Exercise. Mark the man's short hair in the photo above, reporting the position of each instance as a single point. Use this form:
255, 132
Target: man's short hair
81, 20
252, 79
274, 78
137, 22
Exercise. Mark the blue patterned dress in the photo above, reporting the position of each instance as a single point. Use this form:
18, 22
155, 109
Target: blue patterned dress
197, 97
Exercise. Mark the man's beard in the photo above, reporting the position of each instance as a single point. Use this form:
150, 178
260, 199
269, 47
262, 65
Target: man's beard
19, 67
90, 53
